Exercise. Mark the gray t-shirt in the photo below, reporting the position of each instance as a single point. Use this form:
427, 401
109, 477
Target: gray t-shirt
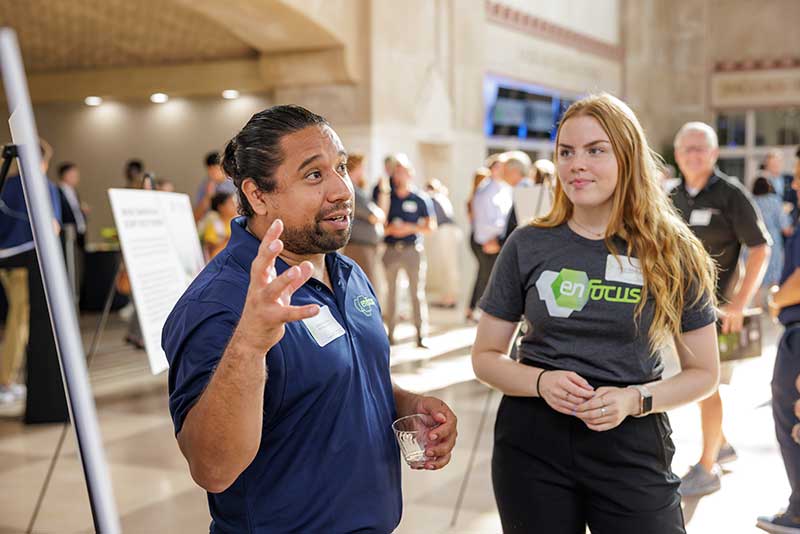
363, 232
579, 305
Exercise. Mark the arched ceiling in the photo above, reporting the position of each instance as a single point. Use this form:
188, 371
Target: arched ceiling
57, 35
125, 48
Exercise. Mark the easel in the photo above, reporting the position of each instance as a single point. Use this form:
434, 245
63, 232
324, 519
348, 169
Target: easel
60, 305
514, 355
471, 462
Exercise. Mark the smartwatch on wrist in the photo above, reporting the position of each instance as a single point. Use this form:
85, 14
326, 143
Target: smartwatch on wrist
645, 400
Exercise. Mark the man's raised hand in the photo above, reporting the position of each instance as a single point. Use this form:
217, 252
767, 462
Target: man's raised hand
268, 307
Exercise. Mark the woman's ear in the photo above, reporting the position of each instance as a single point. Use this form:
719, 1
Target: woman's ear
254, 196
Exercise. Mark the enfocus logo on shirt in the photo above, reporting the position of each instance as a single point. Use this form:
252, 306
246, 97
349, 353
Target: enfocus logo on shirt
568, 291
364, 304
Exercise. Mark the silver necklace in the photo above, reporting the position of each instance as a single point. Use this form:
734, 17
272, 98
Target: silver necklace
592, 232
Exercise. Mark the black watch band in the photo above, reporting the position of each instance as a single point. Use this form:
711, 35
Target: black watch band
645, 400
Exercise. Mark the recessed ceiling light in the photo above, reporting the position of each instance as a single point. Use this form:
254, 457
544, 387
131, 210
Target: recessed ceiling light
230, 94
158, 98
93, 101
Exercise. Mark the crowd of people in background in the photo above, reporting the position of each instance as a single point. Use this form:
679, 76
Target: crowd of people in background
405, 224
408, 223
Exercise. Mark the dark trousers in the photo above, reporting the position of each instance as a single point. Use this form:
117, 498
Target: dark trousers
46, 401
485, 266
784, 395
553, 475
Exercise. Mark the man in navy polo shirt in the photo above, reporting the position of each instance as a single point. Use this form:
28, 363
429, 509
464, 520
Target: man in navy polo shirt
410, 216
784, 303
279, 366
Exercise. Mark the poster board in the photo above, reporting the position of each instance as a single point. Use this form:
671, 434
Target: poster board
162, 256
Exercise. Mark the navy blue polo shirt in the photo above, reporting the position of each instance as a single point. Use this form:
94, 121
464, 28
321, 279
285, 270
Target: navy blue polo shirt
328, 461
409, 209
791, 261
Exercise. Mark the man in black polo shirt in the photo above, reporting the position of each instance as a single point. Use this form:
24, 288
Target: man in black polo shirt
721, 213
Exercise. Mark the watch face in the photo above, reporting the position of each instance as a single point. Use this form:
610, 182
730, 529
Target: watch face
647, 404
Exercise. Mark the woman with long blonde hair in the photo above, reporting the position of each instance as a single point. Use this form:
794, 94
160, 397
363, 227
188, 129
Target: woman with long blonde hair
607, 278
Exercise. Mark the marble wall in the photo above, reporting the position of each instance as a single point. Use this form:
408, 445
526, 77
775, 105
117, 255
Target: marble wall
172, 139
666, 65
672, 50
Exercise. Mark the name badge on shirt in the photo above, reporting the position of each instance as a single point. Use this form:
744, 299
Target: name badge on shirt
700, 218
323, 327
409, 206
629, 272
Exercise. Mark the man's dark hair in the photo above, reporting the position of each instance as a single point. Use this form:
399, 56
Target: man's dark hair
255, 152
762, 187
797, 154
133, 165
64, 168
219, 199
212, 158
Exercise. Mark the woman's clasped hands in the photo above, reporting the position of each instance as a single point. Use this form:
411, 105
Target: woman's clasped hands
600, 409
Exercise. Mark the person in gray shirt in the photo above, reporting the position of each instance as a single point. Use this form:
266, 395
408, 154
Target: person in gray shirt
368, 219
604, 281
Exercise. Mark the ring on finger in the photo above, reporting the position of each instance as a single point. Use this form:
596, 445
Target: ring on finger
603, 411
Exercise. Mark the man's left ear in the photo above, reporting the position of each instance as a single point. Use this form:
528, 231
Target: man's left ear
254, 196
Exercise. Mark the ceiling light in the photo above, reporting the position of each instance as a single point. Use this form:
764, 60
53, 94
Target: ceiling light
230, 94
158, 98
92, 101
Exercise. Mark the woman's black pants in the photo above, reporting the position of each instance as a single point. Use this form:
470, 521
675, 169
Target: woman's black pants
553, 475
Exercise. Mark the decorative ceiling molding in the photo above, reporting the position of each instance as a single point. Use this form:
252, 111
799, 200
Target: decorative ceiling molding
297, 69
269, 26
192, 79
515, 19
757, 64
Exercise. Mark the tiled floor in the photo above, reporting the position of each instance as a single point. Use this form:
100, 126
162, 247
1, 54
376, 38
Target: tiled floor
154, 492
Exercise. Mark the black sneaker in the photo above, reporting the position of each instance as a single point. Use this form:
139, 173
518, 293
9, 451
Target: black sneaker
784, 523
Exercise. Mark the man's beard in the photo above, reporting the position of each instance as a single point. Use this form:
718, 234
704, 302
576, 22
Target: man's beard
313, 239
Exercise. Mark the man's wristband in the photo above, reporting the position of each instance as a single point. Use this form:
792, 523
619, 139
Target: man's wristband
539, 379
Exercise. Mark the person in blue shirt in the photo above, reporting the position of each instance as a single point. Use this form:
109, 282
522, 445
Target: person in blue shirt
215, 182
784, 303
279, 381
45, 400
410, 216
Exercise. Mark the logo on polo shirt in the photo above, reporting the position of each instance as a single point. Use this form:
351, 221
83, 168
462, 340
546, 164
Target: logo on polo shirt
569, 291
364, 304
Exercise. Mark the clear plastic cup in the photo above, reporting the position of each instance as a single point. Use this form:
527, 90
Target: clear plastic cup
412, 435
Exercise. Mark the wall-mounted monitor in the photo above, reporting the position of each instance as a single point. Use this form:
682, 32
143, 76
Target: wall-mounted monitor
524, 111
